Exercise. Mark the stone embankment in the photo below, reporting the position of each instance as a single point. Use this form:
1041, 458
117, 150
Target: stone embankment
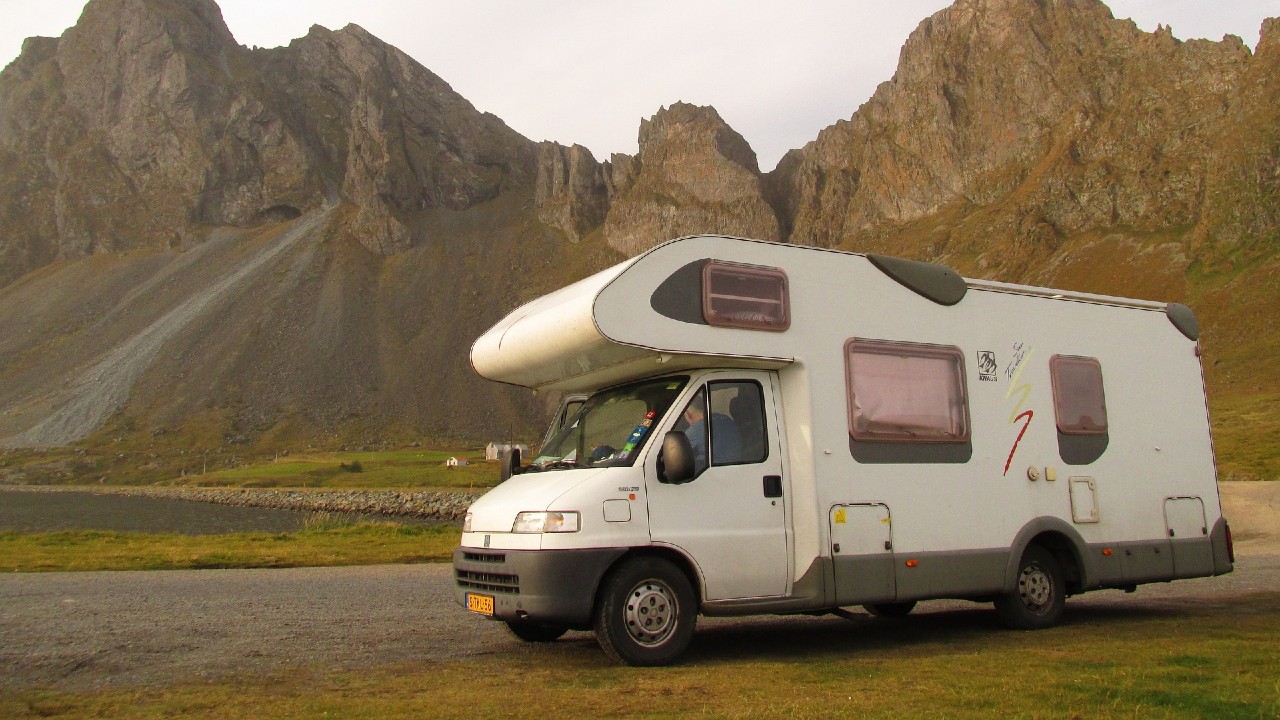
434, 505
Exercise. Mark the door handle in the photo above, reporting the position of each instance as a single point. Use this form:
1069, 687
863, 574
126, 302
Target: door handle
773, 486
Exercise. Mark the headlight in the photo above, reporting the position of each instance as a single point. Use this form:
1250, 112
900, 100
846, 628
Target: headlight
466, 524
540, 522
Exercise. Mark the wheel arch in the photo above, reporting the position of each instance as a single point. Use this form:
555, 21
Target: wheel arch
672, 555
1062, 541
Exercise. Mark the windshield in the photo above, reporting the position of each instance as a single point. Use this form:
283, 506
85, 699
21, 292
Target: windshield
611, 426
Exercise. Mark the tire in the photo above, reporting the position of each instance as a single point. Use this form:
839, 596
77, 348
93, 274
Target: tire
536, 632
891, 610
1039, 597
645, 612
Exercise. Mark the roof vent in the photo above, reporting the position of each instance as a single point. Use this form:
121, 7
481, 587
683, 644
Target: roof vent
936, 282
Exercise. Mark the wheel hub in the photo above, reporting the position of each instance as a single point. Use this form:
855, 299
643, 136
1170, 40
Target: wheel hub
1036, 587
650, 614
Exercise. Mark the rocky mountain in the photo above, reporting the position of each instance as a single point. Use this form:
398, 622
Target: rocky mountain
231, 242
207, 246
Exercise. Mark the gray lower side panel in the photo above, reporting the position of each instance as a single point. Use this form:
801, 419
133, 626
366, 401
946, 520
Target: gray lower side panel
810, 592
972, 573
1145, 561
861, 579
549, 586
1134, 563
865, 579
878, 578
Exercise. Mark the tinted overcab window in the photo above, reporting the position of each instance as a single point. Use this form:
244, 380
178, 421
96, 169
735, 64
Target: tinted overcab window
745, 296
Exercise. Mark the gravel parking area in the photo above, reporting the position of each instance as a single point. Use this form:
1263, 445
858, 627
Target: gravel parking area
76, 631
108, 629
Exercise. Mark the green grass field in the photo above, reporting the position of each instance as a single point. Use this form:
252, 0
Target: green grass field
412, 468
1201, 662
395, 469
323, 542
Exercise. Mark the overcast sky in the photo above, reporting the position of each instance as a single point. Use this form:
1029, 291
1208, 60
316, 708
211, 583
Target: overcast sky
587, 71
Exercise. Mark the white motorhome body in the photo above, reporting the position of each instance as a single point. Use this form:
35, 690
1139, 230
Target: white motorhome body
908, 435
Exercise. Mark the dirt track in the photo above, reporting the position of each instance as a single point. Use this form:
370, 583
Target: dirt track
1253, 509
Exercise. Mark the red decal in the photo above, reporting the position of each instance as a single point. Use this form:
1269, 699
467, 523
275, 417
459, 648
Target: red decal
1028, 415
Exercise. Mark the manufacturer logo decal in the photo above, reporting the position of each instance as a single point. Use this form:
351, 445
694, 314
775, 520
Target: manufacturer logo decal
987, 366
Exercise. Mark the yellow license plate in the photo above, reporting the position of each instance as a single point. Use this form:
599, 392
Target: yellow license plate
482, 604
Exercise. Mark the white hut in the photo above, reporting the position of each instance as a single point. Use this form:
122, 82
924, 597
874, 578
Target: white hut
493, 449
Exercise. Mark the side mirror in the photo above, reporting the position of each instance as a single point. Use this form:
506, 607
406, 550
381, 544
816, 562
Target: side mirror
675, 462
508, 464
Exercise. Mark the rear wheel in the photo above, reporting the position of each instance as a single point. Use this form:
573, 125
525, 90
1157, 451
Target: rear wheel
536, 632
645, 613
1038, 599
891, 610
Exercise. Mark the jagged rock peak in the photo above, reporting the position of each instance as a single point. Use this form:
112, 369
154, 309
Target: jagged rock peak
153, 48
687, 126
1269, 37
191, 22
696, 175
147, 120
1035, 96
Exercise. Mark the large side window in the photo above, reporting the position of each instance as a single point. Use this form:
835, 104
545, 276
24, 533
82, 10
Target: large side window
1078, 400
906, 392
733, 432
745, 296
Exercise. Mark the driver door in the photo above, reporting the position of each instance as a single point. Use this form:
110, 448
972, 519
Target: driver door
731, 518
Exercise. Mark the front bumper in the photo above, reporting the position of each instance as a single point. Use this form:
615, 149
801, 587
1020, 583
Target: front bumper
547, 586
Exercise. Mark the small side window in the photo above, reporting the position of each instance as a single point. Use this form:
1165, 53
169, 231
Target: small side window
737, 423
745, 296
1078, 399
906, 392
736, 419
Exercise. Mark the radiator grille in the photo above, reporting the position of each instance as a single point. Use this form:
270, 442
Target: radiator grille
485, 579
483, 557
489, 582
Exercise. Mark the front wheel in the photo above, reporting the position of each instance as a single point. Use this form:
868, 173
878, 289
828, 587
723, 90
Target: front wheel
645, 612
1039, 597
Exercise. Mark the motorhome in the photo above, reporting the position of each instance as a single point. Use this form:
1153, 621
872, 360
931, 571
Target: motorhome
770, 428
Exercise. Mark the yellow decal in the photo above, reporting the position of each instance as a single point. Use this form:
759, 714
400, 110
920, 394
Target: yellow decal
1022, 359
839, 516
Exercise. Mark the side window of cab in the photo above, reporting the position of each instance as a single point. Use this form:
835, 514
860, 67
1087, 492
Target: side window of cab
725, 424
